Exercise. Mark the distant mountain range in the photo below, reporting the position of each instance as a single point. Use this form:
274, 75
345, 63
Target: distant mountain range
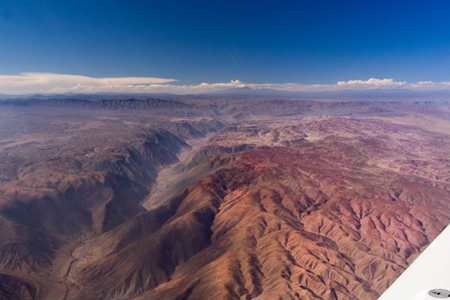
247, 92
373, 93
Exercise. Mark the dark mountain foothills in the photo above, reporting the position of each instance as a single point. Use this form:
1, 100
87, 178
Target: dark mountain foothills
238, 108
102, 104
292, 200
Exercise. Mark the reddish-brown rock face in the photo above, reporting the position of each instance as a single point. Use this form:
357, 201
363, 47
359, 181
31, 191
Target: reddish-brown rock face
318, 220
299, 208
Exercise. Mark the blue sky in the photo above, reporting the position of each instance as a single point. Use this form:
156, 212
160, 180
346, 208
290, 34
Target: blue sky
305, 43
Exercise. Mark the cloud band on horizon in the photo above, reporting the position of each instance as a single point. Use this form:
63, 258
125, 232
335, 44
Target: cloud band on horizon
30, 83
33, 82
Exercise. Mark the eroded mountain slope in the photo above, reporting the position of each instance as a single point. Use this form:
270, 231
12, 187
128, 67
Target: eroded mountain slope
292, 199
324, 219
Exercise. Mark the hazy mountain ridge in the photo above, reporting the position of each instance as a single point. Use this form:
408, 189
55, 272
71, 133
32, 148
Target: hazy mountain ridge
252, 93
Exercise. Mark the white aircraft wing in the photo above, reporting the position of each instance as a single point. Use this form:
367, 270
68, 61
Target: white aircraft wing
428, 277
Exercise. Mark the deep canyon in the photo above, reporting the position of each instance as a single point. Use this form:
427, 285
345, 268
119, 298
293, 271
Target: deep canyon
218, 198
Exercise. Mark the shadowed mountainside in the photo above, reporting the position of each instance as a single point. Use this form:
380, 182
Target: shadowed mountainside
79, 178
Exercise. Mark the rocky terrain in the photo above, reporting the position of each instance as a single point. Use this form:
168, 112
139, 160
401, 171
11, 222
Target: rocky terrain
218, 199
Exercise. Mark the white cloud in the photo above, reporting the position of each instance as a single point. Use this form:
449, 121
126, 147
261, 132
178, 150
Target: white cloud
429, 85
372, 83
61, 83
29, 83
